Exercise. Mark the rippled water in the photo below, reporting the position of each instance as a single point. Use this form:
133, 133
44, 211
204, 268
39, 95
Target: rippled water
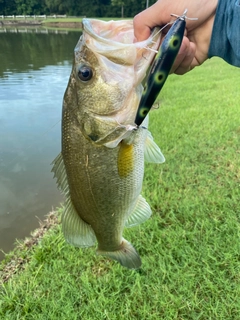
34, 71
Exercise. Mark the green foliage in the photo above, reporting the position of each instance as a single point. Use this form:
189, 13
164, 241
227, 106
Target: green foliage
8, 7
89, 8
28, 7
59, 6
190, 245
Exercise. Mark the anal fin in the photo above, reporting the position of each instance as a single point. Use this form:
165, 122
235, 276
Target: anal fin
75, 230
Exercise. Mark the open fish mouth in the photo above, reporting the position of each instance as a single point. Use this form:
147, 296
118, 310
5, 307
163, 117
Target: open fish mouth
121, 64
115, 41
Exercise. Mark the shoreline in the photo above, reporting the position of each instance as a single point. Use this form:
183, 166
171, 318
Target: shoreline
13, 262
40, 23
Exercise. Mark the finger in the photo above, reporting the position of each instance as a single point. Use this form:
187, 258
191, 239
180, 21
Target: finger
146, 20
159, 14
141, 30
184, 60
185, 66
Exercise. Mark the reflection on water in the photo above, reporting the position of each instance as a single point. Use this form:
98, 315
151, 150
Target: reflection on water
34, 71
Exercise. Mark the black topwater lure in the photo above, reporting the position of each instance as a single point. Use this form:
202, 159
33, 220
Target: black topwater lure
161, 67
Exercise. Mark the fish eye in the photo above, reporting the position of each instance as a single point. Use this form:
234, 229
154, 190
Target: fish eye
84, 73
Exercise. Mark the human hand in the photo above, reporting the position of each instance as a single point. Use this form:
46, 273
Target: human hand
195, 44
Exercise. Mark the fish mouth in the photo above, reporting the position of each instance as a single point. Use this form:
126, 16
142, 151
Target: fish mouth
121, 65
115, 40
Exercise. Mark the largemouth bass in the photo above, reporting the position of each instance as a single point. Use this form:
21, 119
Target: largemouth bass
100, 168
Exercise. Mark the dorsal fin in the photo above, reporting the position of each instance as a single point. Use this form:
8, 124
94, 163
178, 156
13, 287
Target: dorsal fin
60, 174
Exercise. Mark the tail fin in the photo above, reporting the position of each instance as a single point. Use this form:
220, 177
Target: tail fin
127, 256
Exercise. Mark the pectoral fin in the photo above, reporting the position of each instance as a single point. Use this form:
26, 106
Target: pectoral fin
152, 152
76, 231
141, 213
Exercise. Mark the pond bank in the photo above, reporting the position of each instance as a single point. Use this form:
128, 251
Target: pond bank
32, 23
18, 23
17, 259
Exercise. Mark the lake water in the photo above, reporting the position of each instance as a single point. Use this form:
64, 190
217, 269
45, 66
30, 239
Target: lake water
34, 69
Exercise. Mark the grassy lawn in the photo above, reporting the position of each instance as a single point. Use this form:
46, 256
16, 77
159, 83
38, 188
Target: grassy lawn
190, 247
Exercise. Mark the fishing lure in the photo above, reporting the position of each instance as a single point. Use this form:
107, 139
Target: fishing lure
161, 67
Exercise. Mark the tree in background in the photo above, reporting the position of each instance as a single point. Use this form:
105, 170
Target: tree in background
119, 3
8, 7
88, 8
2, 6
29, 7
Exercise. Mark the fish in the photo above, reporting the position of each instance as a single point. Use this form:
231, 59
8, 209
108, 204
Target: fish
100, 167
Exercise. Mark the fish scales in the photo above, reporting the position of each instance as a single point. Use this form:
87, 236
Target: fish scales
101, 166
102, 191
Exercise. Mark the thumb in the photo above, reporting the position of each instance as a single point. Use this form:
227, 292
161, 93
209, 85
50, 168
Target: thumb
147, 19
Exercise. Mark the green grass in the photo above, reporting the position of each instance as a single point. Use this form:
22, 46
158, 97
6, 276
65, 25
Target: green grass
189, 247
